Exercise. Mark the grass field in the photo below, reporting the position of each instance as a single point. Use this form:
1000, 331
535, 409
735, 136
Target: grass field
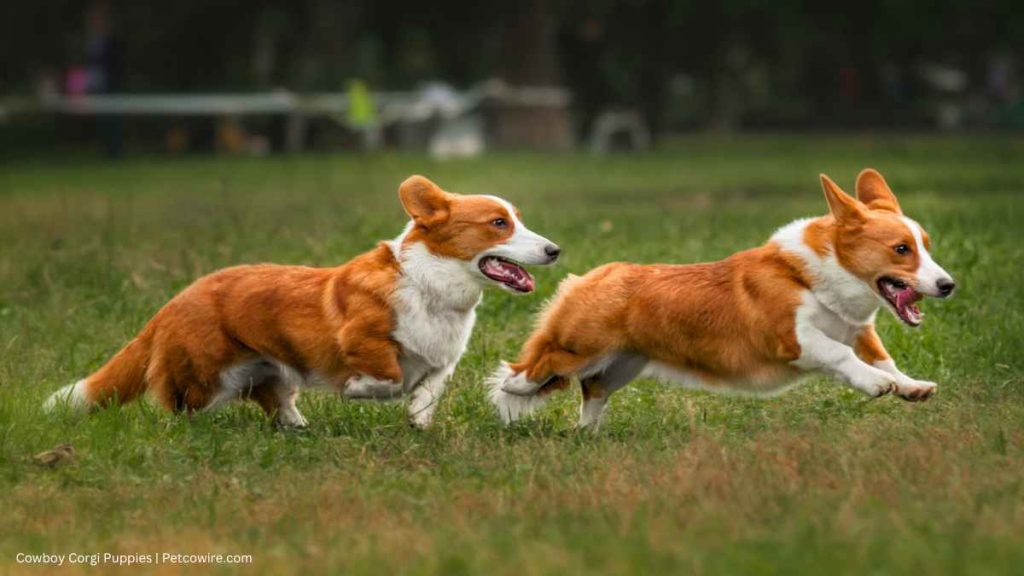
817, 481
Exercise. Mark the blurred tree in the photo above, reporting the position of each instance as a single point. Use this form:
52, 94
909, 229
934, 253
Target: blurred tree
529, 58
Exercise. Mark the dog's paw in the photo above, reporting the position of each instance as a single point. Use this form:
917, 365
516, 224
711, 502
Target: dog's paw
421, 420
419, 424
882, 389
916, 390
878, 384
290, 420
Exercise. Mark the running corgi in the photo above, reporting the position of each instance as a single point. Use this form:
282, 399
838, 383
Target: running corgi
805, 301
391, 322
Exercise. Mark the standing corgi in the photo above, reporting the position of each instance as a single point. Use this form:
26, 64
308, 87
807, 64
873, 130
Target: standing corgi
805, 301
392, 321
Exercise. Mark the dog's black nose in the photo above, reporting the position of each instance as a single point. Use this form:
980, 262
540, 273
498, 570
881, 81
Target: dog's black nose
552, 251
945, 287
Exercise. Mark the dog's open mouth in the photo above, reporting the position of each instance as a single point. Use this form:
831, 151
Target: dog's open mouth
507, 272
902, 298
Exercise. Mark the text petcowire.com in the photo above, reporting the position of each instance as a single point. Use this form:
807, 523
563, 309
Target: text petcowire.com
130, 559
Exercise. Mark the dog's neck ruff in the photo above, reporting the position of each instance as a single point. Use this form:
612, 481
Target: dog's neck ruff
434, 303
443, 283
832, 286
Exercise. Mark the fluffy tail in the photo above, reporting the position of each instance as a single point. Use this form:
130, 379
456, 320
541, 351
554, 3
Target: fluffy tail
511, 407
513, 394
122, 379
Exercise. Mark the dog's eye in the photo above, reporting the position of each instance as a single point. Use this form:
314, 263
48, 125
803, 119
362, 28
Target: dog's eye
499, 223
902, 249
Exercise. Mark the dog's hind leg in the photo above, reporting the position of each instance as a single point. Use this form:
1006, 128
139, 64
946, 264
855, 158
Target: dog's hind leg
546, 367
286, 389
574, 337
278, 401
271, 384
599, 387
518, 389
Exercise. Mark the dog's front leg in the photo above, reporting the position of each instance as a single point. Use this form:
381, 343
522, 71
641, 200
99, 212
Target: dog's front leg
869, 348
374, 359
427, 395
820, 352
366, 387
906, 387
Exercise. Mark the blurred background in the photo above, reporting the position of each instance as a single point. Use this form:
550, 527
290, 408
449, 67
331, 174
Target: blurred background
459, 78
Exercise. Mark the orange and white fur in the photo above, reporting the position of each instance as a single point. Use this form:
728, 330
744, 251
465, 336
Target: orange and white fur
805, 301
391, 322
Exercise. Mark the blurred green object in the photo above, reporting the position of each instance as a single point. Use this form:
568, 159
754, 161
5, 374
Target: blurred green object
362, 111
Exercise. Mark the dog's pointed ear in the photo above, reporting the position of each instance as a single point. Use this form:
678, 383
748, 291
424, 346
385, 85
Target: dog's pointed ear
873, 191
424, 201
844, 208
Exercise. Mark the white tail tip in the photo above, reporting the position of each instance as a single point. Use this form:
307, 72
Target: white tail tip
71, 397
511, 407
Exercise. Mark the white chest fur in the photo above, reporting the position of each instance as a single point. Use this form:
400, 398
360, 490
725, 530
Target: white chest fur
844, 300
434, 304
816, 313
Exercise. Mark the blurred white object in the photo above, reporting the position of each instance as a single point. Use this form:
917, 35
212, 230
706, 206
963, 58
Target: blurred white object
943, 78
458, 138
951, 83
611, 123
438, 98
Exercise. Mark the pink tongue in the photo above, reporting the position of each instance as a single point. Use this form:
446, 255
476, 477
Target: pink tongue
510, 274
906, 297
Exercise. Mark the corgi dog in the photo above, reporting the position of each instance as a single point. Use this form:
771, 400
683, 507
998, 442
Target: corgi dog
391, 322
805, 301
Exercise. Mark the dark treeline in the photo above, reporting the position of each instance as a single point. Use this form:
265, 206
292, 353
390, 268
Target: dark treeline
681, 63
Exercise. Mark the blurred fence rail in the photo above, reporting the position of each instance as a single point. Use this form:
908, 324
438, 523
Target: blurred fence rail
389, 108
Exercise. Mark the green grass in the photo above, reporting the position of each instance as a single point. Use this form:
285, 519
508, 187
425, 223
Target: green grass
817, 481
